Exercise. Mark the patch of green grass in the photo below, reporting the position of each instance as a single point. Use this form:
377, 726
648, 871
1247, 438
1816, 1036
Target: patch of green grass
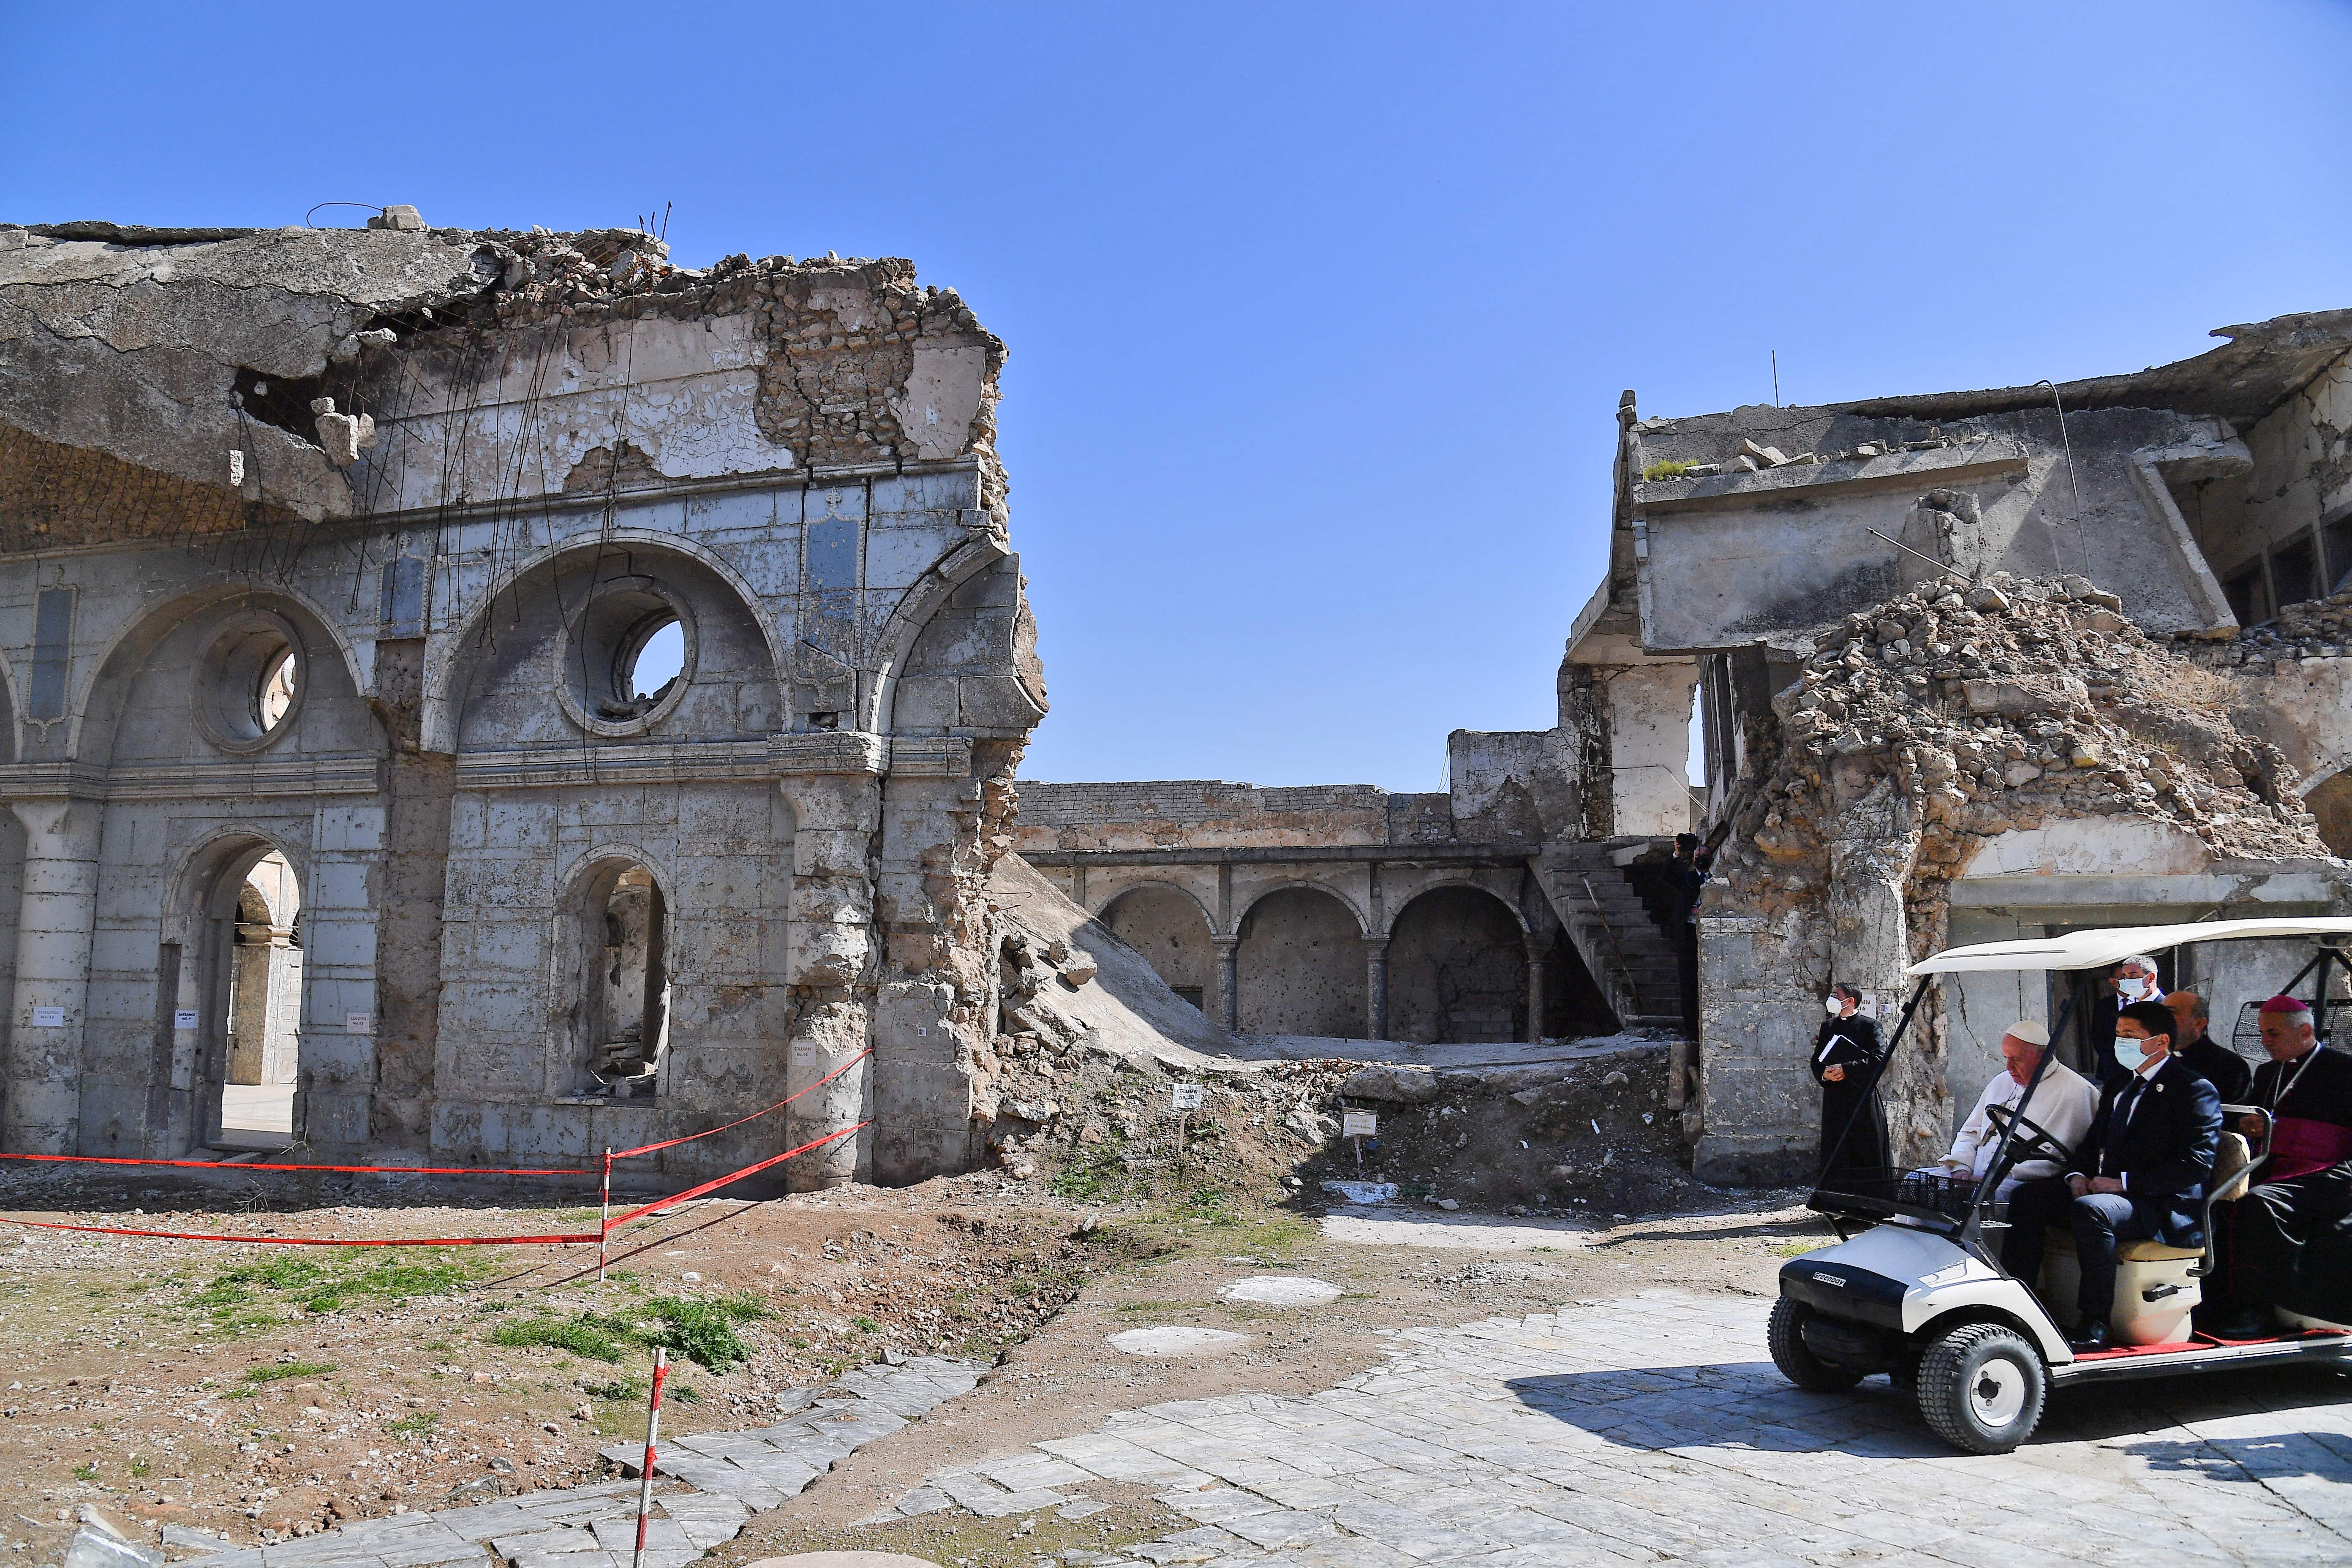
390, 1281
1160, 1307
704, 1331
1800, 1248
1666, 470
687, 1393
85, 1472
415, 1424
590, 1335
625, 1388
865, 1325
140, 1469
277, 1370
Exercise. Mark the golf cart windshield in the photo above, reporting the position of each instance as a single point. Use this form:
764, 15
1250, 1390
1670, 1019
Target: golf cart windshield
1955, 1205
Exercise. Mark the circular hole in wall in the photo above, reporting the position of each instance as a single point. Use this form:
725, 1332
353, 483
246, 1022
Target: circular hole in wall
627, 659
659, 659
275, 697
250, 682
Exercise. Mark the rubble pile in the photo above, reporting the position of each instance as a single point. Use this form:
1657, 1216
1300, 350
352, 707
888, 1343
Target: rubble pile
1956, 712
2318, 629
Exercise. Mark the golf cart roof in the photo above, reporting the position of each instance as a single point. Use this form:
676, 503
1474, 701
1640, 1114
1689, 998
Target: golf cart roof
2108, 947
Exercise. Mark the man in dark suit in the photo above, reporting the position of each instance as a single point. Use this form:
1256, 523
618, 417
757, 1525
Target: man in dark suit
2232, 1076
2138, 1174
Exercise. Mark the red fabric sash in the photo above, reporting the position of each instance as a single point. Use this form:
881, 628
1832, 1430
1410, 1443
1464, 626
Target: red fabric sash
2300, 1146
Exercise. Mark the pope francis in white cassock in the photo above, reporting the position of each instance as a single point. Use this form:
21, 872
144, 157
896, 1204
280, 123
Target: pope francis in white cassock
2065, 1101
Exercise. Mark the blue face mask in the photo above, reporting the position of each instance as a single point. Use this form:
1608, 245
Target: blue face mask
2129, 1053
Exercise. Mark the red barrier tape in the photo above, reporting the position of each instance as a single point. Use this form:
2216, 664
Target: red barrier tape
673, 1143
608, 1225
311, 1240
712, 1186
259, 1165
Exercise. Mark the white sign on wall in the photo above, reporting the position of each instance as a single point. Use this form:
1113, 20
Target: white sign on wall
803, 1052
355, 1022
1359, 1124
49, 1017
1189, 1096
184, 1018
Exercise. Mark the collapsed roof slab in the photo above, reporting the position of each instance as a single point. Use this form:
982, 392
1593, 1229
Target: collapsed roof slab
1799, 517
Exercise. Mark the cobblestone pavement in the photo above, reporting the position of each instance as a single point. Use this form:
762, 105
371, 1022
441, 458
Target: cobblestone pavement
733, 1474
1653, 1429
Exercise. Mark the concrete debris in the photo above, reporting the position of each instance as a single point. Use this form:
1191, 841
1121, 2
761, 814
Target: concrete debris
1177, 1341
403, 218
1390, 1084
1280, 1290
92, 1548
1364, 1195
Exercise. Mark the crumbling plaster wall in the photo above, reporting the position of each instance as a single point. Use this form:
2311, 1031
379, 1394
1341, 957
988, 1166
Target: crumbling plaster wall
797, 457
2297, 483
1302, 965
1774, 551
1965, 737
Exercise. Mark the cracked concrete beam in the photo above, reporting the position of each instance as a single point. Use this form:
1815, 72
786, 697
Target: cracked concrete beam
133, 349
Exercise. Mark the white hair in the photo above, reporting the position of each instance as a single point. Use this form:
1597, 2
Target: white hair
2139, 960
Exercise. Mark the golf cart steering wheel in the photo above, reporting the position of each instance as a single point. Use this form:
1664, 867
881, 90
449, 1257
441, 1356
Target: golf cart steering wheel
2031, 1141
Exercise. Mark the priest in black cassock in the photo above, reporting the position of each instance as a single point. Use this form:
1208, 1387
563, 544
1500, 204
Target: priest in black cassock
2290, 1236
1845, 1054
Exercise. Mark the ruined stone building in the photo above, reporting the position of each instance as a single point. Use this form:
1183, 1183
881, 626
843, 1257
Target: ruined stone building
1528, 900
1969, 668
1975, 666
526, 697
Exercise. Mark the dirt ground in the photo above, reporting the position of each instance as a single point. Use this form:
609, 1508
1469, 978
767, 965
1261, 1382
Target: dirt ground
265, 1393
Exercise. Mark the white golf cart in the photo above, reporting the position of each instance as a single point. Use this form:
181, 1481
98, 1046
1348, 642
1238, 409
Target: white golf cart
1916, 1288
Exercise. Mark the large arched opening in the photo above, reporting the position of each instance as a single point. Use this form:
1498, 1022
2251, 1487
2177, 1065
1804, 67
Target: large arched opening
233, 988
1300, 966
1457, 969
264, 1010
1172, 933
620, 986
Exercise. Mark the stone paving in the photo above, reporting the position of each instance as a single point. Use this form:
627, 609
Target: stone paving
731, 1474
1653, 1429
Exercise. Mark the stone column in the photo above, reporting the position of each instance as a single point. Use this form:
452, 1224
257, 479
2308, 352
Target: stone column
249, 1010
53, 923
837, 803
1534, 992
1873, 842
1229, 989
1375, 988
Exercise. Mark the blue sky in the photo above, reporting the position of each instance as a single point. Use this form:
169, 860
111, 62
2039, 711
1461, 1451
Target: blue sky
1318, 315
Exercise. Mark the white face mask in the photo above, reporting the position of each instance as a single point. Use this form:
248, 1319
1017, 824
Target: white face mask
1834, 1006
2131, 986
2129, 1053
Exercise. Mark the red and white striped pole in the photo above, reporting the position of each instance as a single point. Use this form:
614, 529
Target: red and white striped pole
604, 1226
646, 1479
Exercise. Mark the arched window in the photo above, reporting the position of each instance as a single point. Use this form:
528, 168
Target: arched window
624, 1006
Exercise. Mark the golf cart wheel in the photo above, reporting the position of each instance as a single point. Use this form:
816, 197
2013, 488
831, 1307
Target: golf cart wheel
1796, 1361
1982, 1387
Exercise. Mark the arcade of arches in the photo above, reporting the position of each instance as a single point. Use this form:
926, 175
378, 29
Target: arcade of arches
1457, 966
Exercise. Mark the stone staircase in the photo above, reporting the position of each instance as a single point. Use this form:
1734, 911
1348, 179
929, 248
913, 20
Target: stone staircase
1620, 913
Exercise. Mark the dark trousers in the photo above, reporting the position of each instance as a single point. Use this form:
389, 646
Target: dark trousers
1686, 971
2098, 1220
2267, 1229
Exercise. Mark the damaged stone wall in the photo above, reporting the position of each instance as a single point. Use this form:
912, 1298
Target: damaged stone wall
1946, 725
463, 475
1342, 910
